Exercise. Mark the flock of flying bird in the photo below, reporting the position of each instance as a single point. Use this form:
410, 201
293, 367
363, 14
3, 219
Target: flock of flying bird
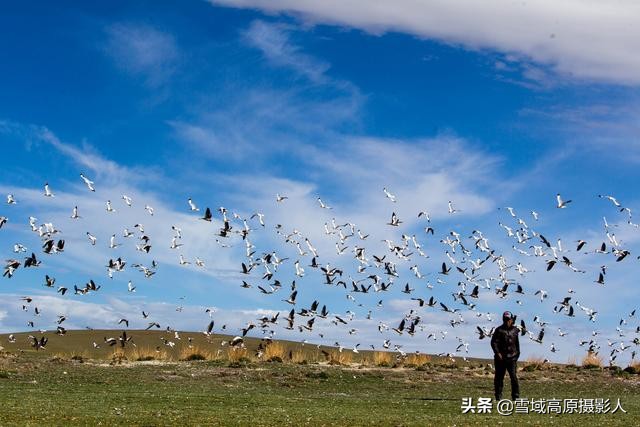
472, 269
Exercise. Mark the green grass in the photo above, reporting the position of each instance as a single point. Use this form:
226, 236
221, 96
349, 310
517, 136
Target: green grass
38, 388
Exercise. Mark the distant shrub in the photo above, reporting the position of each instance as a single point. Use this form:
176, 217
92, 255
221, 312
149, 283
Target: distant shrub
4, 374
617, 371
195, 356
634, 368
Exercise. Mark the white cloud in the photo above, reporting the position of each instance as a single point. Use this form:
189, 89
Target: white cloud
92, 163
587, 39
258, 124
599, 128
143, 50
274, 42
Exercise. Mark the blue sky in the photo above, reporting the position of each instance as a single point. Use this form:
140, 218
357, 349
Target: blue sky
232, 102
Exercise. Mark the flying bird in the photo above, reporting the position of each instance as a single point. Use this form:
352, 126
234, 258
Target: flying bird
88, 182
47, 190
389, 195
192, 205
561, 204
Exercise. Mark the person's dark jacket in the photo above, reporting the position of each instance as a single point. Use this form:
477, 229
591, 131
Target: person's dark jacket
505, 342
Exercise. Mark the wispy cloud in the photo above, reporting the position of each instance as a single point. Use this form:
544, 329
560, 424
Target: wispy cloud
597, 127
270, 120
579, 38
143, 50
274, 42
86, 157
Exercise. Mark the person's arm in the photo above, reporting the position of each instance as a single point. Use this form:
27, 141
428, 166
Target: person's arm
517, 347
494, 344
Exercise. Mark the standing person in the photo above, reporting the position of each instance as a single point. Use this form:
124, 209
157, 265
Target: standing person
506, 351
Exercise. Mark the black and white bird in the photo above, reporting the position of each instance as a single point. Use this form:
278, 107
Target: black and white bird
389, 195
260, 217
611, 199
207, 215
192, 205
88, 182
47, 190
19, 247
395, 221
92, 238
323, 205
561, 204
74, 213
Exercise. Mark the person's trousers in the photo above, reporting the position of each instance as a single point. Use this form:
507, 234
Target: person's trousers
502, 366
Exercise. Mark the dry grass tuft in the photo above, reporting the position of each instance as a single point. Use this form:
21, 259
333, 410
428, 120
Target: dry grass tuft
382, 358
141, 354
534, 363
417, 359
193, 353
633, 368
340, 358
275, 352
237, 355
298, 356
118, 356
592, 361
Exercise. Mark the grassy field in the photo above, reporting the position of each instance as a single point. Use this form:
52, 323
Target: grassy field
65, 386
